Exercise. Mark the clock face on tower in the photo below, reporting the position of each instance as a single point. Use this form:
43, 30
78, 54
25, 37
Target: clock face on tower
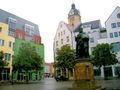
71, 12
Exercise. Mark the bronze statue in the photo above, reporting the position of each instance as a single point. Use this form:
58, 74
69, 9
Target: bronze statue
82, 45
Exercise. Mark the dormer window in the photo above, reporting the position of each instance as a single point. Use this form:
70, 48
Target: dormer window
87, 26
29, 29
12, 20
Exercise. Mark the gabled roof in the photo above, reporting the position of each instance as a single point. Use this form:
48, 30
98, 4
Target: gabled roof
112, 13
94, 25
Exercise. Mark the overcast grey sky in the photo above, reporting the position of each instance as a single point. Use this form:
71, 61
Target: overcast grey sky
48, 13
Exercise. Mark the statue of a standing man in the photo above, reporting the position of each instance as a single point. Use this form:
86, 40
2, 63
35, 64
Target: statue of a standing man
82, 45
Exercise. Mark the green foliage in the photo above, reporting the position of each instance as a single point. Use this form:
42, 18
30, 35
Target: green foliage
103, 55
102, 31
1, 58
1, 55
27, 59
2, 62
65, 57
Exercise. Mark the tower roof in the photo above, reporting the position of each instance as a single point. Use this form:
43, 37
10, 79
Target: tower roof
73, 11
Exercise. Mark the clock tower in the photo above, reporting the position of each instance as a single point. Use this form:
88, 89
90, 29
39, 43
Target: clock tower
74, 17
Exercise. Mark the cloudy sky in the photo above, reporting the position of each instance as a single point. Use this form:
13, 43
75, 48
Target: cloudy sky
48, 13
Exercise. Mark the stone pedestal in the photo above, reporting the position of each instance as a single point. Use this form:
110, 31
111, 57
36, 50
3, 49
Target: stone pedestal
84, 76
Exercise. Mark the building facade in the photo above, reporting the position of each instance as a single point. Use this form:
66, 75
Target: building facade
113, 37
6, 45
49, 70
97, 35
32, 74
64, 33
15, 30
93, 29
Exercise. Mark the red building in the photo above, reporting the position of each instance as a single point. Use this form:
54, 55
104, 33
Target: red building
49, 69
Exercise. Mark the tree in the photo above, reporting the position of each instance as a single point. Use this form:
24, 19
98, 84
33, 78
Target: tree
65, 58
103, 55
27, 59
2, 62
1, 59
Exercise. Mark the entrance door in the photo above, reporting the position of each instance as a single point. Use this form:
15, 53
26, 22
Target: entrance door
108, 72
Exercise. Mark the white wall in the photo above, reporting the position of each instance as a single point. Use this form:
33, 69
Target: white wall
62, 33
112, 19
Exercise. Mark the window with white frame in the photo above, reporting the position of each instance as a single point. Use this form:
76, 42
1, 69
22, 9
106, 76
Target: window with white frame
118, 24
119, 33
11, 33
56, 43
94, 31
89, 32
38, 41
113, 25
57, 50
12, 20
67, 38
20, 36
10, 44
29, 29
91, 40
58, 34
118, 15
2, 42
7, 56
12, 23
0, 29
115, 34
61, 41
111, 35
64, 32
5, 74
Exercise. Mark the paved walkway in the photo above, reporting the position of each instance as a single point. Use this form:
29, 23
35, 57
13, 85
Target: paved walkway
46, 84
51, 84
112, 84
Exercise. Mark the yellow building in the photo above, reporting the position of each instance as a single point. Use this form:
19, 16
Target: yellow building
6, 45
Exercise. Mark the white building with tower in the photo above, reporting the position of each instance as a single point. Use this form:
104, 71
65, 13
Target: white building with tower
64, 32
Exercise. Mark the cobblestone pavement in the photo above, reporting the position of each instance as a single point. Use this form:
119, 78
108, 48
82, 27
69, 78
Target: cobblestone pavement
51, 84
